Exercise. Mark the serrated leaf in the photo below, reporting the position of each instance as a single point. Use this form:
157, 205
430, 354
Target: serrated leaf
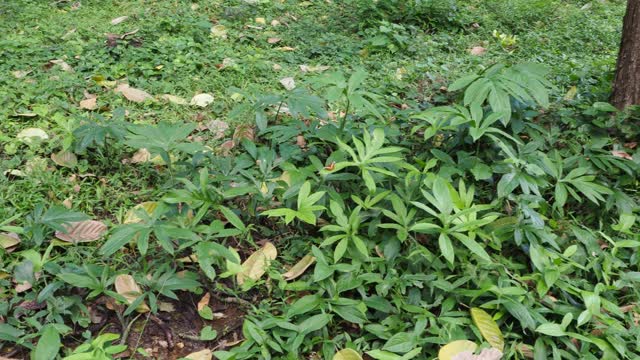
256, 265
82, 231
127, 287
454, 348
488, 328
299, 268
347, 354
131, 217
65, 158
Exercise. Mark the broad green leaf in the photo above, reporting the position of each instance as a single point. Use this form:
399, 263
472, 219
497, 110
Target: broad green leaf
551, 329
488, 328
48, 345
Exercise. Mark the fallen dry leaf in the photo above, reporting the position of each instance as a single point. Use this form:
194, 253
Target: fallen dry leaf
65, 158
256, 265
273, 40
299, 268
19, 74
205, 354
286, 48
174, 99
63, 65
118, 20
219, 31
132, 215
82, 231
317, 68
32, 135
261, 20
244, 131
204, 302
621, 154
218, 128
275, 23
89, 104
631, 145
9, 240
201, 100
277, 67
477, 51
227, 146
127, 287
288, 83
141, 156
485, 354
67, 202
133, 94
300, 141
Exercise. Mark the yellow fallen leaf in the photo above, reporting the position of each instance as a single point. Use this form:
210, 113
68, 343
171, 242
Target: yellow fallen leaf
205, 354
204, 302
131, 217
256, 265
453, 348
347, 354
130, 290
261, 20
299, 268
133, 94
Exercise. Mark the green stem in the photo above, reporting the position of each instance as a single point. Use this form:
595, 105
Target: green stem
344, 118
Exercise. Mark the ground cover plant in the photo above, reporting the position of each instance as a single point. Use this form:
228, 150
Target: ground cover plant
316, 180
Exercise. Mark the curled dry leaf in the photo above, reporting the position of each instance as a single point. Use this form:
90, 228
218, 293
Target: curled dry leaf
347, 354
202, 100
89, 104
205, 354
141, 156
256, 265
9, 240
288, 83
227, 146
486, 354
204, 302
63, 65
477, 51
133, 94
454, 348
132, 217
174, 99
65, 158
317, 68
118, 20
130, 290
621, 154
32, 135
82, 231
299, 268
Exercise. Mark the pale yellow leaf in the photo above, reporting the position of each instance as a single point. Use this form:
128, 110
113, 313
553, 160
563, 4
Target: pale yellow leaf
485, 354
288, 83
571, 93
201, 100
219, 31
273, 40
89, 104
174, 99
65, 158
299, 268
347, 354
130, 290
118, 20
286, 48
261, 21
454, 348
488, 328
131, 217
256, 265
8, 240
82, 231
63, 65
133, 94
32, 135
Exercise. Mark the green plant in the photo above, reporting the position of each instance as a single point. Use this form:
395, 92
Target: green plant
100, 348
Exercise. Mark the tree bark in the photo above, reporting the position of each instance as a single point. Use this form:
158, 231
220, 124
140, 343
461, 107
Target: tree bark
626, 88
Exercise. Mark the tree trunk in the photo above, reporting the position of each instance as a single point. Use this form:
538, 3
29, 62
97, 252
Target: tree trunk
626, 88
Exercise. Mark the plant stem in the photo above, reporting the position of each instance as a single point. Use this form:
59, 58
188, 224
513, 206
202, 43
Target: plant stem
344, 118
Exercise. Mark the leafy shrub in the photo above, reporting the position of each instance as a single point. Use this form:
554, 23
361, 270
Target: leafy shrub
521, 15
428, 14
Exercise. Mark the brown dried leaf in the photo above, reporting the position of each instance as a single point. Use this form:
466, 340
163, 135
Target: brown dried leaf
300, 141
621, 154
133, 94
477, 51
244, 131
63, 65
89, 104
130, 290
218, 128
299, 268
82, 231
227, 146
256, 265
204, 302
205, 354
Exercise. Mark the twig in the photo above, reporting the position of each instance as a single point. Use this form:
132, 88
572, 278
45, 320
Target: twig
125, 334
167, 330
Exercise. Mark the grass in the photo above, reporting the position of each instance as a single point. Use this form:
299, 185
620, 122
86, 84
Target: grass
411, 298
